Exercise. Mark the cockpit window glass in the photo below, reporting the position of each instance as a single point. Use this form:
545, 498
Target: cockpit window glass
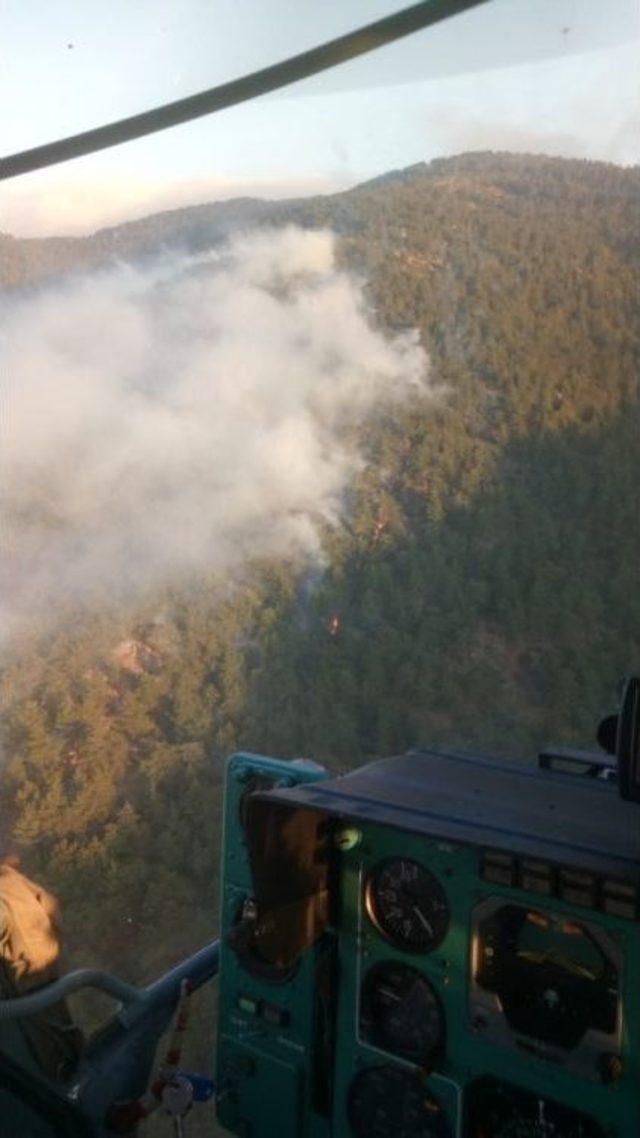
318, 422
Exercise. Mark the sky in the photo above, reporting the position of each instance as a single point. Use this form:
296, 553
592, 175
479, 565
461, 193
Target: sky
544, 76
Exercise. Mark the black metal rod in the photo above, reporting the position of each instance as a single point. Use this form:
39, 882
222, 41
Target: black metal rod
199, 968
43, 998
288, 71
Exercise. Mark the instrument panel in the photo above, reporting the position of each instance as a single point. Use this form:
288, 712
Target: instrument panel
457, 976
455, 991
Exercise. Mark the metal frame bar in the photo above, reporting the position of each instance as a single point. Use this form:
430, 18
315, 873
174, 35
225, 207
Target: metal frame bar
282, 74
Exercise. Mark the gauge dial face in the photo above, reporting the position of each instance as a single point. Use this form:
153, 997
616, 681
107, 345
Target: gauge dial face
401, 1013
408, 905
391, 1101
553, 981
504, 1111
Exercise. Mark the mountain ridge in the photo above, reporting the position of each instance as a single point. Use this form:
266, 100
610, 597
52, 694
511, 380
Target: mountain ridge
26, 260
482, 594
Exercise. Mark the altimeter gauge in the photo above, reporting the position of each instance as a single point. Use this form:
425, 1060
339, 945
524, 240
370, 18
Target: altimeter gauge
408, 905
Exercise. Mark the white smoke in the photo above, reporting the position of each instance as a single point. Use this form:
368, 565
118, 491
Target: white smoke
184, 417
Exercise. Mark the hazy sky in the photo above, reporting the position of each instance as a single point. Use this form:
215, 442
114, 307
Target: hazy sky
553, 76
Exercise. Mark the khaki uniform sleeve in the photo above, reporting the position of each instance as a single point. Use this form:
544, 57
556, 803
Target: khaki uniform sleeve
30, 941
5, 987
29, 958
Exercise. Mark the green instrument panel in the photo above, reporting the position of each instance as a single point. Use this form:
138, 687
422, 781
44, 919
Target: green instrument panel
439, 995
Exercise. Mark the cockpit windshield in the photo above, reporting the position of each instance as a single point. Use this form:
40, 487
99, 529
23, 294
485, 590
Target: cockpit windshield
319, 430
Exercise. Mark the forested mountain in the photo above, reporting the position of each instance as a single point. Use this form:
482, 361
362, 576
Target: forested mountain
482, 594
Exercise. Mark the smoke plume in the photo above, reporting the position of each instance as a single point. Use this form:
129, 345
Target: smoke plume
183, 417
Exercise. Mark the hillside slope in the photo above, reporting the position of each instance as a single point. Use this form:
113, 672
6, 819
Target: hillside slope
483, 593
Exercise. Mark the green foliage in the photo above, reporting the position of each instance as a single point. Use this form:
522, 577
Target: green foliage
482, 593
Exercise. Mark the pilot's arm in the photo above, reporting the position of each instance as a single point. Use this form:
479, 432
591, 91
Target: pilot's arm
29, 959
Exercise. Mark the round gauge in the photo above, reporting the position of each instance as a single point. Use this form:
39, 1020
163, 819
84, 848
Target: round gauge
553, 981
386, 1101
505, 1111
401, 1013
408, 905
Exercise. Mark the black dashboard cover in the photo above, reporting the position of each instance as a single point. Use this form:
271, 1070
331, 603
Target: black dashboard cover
509, 805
